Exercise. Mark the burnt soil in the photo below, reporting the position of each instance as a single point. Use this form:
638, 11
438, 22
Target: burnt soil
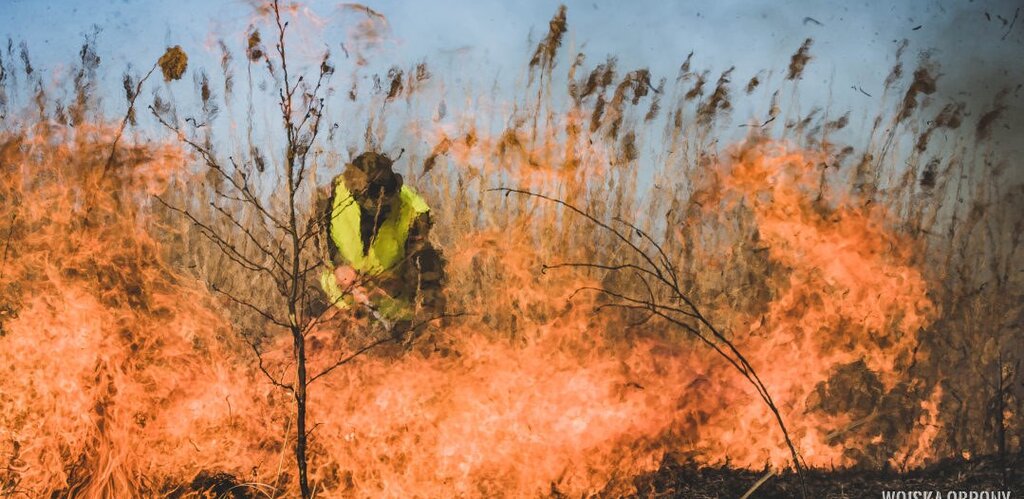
677, 479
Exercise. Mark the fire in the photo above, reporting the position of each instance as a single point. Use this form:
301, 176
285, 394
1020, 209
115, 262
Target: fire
841, 327
125, 374
567, 405
559, 407
115, 379
142, 384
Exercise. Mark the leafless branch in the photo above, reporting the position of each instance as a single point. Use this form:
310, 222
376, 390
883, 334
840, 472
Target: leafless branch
259, 358
250, 236
382, 341
211, 161
226, 247
262, 313
667, 275
127, 116
7, 244
350, 357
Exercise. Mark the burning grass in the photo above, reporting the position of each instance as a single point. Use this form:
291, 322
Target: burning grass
857, 281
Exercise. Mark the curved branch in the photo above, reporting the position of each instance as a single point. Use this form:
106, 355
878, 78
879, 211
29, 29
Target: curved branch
730, 352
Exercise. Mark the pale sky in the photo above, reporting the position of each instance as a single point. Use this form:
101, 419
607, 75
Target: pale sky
977, 42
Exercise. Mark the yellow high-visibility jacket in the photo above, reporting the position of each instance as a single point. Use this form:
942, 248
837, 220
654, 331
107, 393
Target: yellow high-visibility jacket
385, 252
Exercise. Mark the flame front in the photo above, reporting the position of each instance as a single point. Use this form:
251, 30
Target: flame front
840, 330
117, 371
126, 375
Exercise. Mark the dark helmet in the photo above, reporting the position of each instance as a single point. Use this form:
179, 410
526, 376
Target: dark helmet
370, 177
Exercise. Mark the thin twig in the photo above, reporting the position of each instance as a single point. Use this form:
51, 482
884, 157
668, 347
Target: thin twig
377, 343
124, 122
757, 484
667, 275
7, 244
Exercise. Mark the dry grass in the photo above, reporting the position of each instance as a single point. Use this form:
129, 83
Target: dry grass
956, 202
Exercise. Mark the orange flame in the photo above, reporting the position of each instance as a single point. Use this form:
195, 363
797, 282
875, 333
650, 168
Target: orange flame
114, 371
845, 293
124, 379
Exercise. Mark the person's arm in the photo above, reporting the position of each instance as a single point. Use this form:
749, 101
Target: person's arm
341, 284
418, 234
425, 264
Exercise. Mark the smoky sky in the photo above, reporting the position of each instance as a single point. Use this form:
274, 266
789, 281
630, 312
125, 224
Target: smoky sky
976, 45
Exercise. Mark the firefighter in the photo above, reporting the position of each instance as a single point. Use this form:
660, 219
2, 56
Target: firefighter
380, 257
